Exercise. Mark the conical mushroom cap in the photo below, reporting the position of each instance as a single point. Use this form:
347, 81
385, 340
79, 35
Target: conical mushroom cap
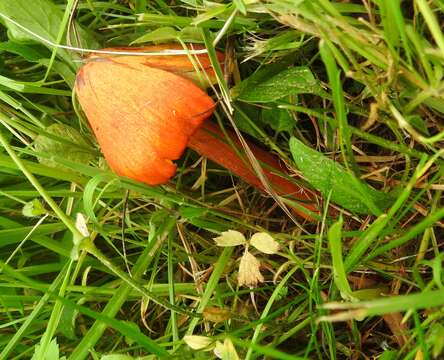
142, 116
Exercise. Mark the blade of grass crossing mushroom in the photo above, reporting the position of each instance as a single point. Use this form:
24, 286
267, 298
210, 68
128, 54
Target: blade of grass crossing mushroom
228, 109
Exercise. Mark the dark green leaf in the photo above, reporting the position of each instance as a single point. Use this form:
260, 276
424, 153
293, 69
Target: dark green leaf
262, 88
43, 18
328, 176
67, 323
278, 119
29, 53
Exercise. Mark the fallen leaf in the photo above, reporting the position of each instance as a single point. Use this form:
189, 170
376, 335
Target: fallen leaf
216, 314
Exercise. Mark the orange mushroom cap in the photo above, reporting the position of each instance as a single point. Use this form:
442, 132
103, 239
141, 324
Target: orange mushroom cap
142, 113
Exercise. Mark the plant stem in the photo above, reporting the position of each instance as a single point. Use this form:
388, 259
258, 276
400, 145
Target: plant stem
209, 142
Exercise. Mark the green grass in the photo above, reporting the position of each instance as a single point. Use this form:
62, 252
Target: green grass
349, 96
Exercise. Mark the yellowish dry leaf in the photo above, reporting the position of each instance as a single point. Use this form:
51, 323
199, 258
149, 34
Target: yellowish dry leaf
216, 314
230, 238
265, 243
197, 342
249, 273
226, 351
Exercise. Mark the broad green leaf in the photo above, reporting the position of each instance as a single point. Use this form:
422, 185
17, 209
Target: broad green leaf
41, 17
292, 81
27, 52
278, 119
71, 146
328, 176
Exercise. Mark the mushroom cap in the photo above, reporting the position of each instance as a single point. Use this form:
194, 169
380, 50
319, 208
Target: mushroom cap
178, 64
141, 115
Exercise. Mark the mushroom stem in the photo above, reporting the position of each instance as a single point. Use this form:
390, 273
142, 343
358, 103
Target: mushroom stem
209, 142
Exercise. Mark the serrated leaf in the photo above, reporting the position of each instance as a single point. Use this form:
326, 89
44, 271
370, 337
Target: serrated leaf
292, 81
197, 342
51, 352
230, 238
69, 144
328, 176
249, 271
265, 243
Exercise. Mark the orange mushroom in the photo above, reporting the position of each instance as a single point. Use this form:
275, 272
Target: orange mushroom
145, 110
